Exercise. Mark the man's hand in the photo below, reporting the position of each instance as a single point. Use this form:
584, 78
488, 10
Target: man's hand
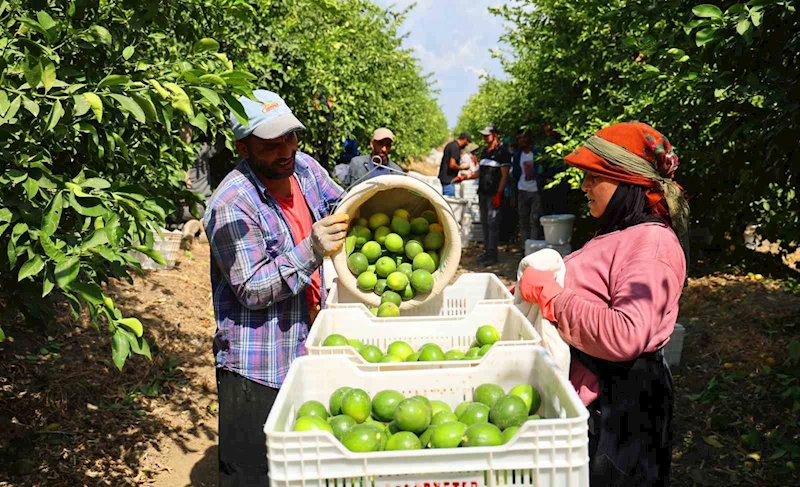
497, 200
458, 179
187, 180
328, 234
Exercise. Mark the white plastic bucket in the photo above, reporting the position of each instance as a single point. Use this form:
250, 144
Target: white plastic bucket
558, 228
532, 246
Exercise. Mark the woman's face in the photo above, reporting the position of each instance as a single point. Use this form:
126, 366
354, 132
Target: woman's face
599, 191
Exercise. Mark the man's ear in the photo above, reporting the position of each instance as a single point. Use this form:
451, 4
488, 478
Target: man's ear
241, 147
372, 144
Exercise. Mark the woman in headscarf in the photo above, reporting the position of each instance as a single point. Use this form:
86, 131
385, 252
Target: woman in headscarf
619, 302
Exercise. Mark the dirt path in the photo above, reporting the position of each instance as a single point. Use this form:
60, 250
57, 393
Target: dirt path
73, 419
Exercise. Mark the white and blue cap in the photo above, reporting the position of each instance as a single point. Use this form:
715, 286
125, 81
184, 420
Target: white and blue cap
269, 117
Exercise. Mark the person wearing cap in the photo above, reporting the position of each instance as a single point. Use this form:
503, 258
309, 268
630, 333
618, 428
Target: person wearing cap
377, 163
269, 227
619, 302
451, 163
469, 161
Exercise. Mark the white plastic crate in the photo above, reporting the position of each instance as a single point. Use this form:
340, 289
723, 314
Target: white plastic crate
477, 232
548, 452
449, 333
168, 247
674, 347
458, 299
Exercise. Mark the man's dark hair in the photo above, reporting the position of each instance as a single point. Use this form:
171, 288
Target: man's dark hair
465, 135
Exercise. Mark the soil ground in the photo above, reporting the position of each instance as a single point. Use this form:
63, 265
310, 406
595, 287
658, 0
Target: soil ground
71, 418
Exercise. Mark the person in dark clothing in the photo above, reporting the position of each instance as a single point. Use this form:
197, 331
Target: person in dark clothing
526, 175
451, 163
555, 199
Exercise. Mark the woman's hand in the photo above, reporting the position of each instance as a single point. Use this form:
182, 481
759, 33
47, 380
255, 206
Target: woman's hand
540, 287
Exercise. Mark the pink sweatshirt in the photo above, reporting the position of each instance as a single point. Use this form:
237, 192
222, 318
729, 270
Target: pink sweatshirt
620, 297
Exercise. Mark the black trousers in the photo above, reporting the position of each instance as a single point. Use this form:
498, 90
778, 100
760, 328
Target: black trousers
243, 409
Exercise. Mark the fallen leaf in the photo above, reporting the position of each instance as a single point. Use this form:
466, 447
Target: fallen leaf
710, 440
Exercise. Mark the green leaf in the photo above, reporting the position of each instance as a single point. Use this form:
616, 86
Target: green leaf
48, 74
45, 20
206, 44
209, 95
107, 254
2, 335
132, 324
164, 94
120, 350
101, 34
93, 208
67, 271
32, 70
200, 122
704, 36
50, 248
81, 106
55, 115
114, 80
147, 106
652, 69
237, 108
708, 11
96, 104
96, 183
31, 106
683, 59
19, 230
13, 108
98, 237
47, 285
31, 268
130, 106
91, 293
756, 16
152, 253
52, 215
213, 79
128, 52
180, 100
31, 188
743, 27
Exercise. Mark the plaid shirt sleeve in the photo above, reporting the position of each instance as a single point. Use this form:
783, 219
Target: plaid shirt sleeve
258, 280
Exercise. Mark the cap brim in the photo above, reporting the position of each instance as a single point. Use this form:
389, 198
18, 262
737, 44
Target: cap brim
485, 132
278, 126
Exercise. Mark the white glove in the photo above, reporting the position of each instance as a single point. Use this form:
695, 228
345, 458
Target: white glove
328, 234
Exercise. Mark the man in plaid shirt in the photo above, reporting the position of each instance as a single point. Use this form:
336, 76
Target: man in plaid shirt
269, 228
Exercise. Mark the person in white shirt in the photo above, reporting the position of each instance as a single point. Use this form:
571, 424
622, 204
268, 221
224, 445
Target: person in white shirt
527, 174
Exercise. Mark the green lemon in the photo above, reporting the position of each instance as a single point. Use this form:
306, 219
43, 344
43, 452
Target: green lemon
401, 226
385, 266
313, 408
534, 417
362, 438
508, 411
454, 355
380, 287
371, 353
361, 222
425, 438
406, 269
443, 417
424, 261
335, 402
435, 256
524, 392
430, 215
400, 349
366, 281
372, 251
355, 344
424, 400
378, 220
509, 433
393, 243
472, 353
431, 354
350, 243
404, 440
357, 263
487, 335
341, 425
374, 311
483, 434
433, 241
371, 268
384, 403
335, 340
311, 423
388, 310
438, 407
392, 428
419, 226
389, 358
380, 235
484, 350
408, 293
422, 281
412, 415
413, 248
448, 435
357, 405
487, 394
412, 358
397, 281
462, 407
363, 235
475, 413
401, 213
391, 297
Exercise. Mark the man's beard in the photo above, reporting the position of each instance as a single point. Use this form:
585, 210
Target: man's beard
274, 171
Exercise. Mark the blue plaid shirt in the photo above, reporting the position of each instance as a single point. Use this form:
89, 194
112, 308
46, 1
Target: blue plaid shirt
259, 275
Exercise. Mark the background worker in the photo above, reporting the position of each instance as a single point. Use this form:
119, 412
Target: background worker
377, 163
